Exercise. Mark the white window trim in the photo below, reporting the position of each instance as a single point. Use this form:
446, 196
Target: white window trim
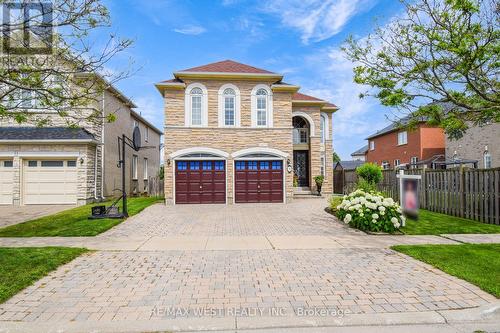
269, 105
486, 155
406, 138
135, 160
312, 131
146, 134
204, 105
326, 128
398, 162
145, 170
194, 150
237, 102
372, 145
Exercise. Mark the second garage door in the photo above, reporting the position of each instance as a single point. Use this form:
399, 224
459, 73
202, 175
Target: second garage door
50, 182
258, 181
6, 182
200, 182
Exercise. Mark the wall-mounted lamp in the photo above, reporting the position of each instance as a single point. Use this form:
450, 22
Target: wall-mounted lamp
168, 162
288, 165
81, 160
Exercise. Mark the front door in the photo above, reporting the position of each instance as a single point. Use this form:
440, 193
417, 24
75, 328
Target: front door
301, 167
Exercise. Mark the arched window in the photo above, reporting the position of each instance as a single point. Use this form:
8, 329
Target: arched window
196, 105
261, 107
229, 107
323, 127
487, 160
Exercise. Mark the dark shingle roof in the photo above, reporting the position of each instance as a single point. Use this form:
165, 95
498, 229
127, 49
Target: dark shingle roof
44, 133
361, 151
348, 165
227, 66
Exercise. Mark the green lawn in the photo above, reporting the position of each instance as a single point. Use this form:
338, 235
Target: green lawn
430, 223
20, 267
73, 222
478, 264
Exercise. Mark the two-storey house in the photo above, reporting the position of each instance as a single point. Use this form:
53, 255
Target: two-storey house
57, 164
392, 146
236, 133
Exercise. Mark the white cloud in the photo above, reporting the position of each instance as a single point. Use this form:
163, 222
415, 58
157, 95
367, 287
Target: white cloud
317, 19
193, 30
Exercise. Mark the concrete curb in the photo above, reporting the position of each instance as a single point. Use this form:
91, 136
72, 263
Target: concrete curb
450, 320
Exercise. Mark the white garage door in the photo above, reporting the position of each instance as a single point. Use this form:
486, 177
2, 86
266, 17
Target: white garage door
48, 182
6, 182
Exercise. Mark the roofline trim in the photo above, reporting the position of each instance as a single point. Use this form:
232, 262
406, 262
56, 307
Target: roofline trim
21, 141
285, 87
228, 75
141, 118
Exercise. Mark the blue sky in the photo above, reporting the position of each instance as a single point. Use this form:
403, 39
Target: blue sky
298, 38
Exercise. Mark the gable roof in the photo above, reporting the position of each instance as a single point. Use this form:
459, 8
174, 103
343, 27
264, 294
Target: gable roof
45, 133
303, 97
394, 126
227, 66
348, 165
360, 151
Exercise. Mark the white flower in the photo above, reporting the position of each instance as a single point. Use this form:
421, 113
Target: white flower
374, 216
394, 220
347, 218
374, 221
381, 208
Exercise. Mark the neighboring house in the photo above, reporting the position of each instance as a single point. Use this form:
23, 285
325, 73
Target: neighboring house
347, 165
61, 165
235, 133
360, 154
479, 143
392, 146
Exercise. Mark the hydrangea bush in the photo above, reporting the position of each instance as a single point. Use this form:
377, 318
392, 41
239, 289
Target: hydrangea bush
370, 212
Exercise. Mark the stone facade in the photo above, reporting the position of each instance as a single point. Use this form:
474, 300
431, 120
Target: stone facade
473, 145
178, 136
98, 174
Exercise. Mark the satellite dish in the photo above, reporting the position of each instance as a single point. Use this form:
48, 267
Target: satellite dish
136, 138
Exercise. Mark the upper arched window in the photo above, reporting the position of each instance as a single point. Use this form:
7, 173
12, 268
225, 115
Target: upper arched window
229, 107
323, 127
196, 105
261, 107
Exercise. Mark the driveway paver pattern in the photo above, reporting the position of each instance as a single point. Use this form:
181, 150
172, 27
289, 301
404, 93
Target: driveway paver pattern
129, 285
236, 257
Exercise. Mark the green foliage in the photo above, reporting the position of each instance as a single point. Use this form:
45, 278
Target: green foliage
161, 173
365, 185
74, 222
370, 172
334, 202
370, 212
20, 267
319, 180
335, 157
478, 264
438, 63
431, 223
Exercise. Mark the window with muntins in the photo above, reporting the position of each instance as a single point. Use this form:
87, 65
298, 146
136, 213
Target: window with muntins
206, 165
194, 165
252, 165
229, 107
372, 145
219, 165
240, 165
134, 166
402, 138
322, 129
196, 106
276, 165
261, 107
145, 171
182, 166
264, 165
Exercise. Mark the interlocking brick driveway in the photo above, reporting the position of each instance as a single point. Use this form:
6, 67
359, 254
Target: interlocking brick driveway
301, 217
128, 285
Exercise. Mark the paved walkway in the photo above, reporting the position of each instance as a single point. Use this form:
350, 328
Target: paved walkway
159, 269
10, 215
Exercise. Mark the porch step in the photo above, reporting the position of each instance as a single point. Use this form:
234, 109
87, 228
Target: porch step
304, 193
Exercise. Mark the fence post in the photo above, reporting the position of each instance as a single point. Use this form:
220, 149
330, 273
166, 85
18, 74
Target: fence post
424, 188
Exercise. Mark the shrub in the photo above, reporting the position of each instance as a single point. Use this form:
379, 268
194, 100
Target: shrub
370, 212
319, 180
370, 172
334, 202
366, 186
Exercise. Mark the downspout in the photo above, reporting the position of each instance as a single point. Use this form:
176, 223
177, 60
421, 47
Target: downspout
102, 149
95, 173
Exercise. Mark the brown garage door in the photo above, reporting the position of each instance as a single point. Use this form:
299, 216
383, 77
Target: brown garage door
258, 181
200, 182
